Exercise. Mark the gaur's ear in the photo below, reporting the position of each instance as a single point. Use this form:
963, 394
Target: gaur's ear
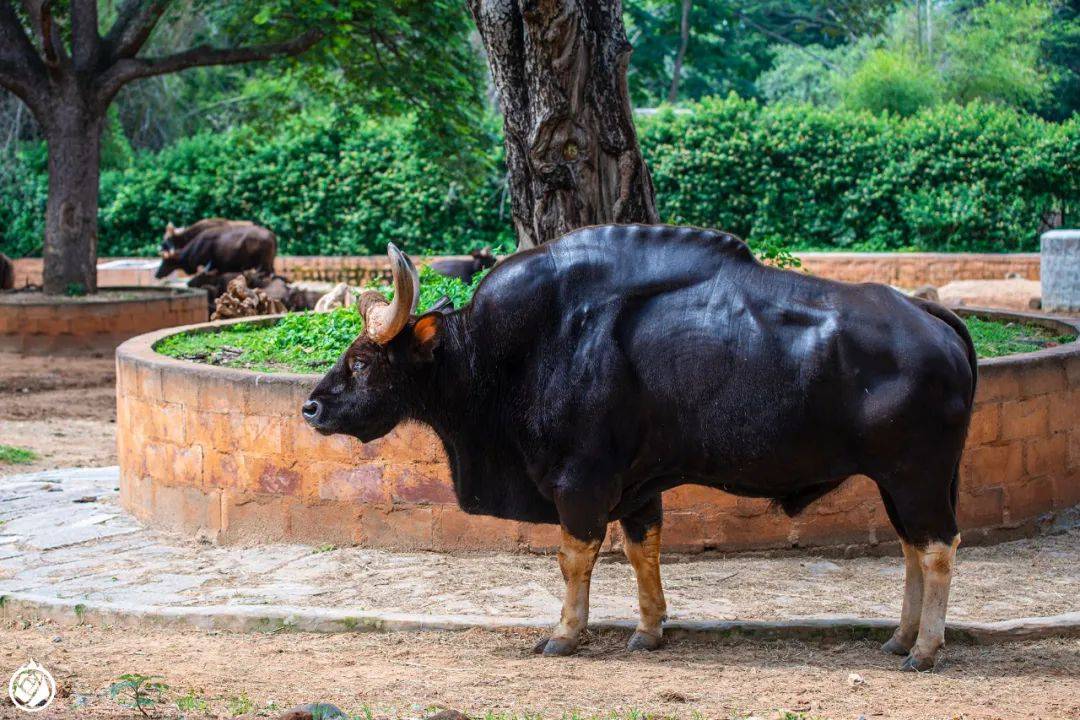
426, 334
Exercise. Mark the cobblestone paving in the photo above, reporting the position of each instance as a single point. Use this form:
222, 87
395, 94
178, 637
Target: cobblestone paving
63, 535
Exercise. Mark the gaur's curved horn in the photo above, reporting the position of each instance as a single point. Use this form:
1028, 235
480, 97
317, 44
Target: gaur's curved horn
382, 320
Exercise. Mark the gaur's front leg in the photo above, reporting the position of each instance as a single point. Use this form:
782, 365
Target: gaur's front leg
642, 548
583, 516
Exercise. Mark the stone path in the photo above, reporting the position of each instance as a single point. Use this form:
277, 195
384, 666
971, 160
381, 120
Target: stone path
65, 540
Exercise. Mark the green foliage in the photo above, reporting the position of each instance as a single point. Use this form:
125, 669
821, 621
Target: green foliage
893, 82
138, 691
994, 338
10, 455
301, 342
975, 178
995, 56
340, 185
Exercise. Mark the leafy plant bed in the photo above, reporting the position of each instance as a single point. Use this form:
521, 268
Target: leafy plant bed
300, 342
311, 342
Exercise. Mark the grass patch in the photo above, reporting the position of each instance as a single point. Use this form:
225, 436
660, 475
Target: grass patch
994, 338
312, 342
301, 342
10, 455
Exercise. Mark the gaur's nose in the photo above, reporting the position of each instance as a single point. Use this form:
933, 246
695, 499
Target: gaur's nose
311, 410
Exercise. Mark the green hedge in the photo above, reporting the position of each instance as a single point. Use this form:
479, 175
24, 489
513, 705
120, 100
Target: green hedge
975, 178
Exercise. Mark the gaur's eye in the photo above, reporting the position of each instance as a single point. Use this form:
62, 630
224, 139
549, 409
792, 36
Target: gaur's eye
358, 366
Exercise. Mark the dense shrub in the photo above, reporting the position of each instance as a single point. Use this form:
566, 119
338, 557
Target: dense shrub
976, 178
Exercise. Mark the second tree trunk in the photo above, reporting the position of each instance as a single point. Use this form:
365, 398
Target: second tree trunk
559, 67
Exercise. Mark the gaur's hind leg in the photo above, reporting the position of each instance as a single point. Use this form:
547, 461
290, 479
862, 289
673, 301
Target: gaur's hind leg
926, 522
937, 560
904, 638
642, 548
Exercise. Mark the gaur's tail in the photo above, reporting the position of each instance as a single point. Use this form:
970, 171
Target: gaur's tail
953, 320
960, 328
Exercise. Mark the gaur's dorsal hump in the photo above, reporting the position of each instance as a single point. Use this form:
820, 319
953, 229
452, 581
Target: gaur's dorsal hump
715, 240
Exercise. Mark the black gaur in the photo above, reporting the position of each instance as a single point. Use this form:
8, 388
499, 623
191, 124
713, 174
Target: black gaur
592, 373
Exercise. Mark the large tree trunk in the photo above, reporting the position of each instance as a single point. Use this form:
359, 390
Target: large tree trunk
559, 67
73, 135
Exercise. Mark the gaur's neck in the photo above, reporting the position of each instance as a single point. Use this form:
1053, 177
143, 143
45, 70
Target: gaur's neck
460, 402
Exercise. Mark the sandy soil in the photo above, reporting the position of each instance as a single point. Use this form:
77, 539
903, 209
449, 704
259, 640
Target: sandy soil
405, 675
64, 409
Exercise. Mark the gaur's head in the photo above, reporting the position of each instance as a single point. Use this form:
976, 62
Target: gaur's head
170, 261
171, 231
483, 259
367, 391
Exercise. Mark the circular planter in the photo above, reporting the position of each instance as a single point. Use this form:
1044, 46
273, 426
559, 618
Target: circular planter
44, 325
224, 454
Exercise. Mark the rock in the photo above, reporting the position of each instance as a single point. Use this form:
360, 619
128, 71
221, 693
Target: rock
821, 567
1007, 294
340, 296
313, 711
448, 715
926, 292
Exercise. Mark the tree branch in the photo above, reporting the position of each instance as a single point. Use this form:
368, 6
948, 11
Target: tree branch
135, 21
21, 71
128, 69
85, 41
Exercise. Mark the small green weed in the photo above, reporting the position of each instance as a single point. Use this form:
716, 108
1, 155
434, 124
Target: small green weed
138, 691
11, 455
192, 702
240, 705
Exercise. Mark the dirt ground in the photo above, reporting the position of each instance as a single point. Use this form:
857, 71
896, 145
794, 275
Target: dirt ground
64, 409
406, 675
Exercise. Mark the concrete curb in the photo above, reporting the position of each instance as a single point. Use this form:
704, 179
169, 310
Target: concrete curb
260, 618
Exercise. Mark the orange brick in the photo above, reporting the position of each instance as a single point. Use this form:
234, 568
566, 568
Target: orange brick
539, 537
985, 424
223, 470
997, 383
1064, 410
414, 486
1024, 419
1028, 500
403, 529
980, 508
361, 484
245, 518
1042, 377
327, 522
992, 465
456, 530
1046, 455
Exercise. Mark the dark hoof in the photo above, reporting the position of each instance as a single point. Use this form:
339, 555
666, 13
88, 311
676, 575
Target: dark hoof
916, 664
895, 647
555, 647
644, 641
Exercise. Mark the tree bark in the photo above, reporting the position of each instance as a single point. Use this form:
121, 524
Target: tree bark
559, 67
73, 135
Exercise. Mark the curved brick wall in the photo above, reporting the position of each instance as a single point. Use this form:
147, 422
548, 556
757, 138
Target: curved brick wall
225, 454
910, 270
75, 328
